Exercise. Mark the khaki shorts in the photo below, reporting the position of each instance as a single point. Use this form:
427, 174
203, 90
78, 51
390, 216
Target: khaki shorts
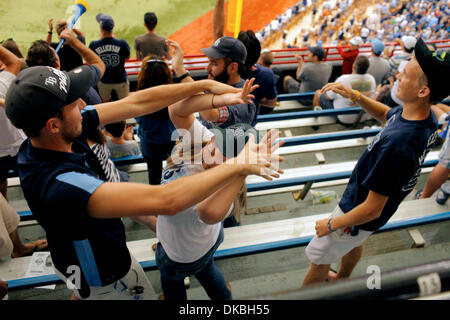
332, 247
119, 289
9, 220
105, 90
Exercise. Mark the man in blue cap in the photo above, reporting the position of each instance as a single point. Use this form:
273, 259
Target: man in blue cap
379, 67
113, 52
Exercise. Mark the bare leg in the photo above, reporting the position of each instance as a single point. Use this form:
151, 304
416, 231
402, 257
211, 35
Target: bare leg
317, 273
349, 261
21, 249
316, 101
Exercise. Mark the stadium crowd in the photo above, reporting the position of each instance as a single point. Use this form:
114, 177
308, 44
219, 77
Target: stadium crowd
63, 120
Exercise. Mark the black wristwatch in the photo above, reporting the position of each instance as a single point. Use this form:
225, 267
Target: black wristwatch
180, 78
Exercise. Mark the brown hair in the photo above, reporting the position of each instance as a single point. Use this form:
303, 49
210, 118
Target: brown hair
154, 72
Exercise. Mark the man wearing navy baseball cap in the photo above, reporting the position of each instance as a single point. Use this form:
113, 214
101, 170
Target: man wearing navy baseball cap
226, 64
114, 53
389, 168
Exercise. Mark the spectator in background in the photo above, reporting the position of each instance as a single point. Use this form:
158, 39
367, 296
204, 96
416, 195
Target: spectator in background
68, 57
41, 54
312, 75
266, 58
407, 44
349, 56
150, 42
113, 52
119, 143
10, 137
379, 67
154, 129
11, 246
12, 46
266, 93
358, 80
440, 172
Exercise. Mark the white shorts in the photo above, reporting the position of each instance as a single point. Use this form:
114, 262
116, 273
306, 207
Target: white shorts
330, 248
118, 290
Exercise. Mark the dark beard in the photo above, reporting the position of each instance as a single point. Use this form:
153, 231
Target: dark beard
223, 77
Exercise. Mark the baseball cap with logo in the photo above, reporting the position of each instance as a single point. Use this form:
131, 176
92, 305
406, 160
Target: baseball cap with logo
231, 140
38, 93
436, 66
377, 46
227, 47
409, 42
105, 21
318, 52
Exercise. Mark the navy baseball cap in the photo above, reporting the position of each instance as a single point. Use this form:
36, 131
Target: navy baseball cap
105, 21
436, 66
38, 93
318, 52
227, 47
231, 140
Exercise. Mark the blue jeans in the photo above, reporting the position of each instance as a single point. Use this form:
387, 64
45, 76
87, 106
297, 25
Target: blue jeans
204, 269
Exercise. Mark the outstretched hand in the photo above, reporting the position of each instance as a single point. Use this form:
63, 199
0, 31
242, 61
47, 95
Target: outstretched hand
240, 97
259, 158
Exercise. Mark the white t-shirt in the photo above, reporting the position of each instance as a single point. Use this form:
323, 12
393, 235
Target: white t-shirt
362, 83
365, 32
10, 137
184, 236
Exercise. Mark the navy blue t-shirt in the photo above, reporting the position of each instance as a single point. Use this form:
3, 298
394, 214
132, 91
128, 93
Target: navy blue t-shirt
113, 52
57, 186
267, 81
390, 165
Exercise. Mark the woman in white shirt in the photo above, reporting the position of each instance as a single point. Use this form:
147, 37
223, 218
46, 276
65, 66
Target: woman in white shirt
189, 239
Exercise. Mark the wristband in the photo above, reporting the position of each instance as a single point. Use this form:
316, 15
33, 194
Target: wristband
49, 32
180, 78
329, 226
356, 98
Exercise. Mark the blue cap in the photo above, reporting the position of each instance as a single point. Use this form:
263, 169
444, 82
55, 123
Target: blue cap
377, 46
106, 21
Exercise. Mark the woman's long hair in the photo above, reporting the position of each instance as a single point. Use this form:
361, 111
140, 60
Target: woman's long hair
154, 72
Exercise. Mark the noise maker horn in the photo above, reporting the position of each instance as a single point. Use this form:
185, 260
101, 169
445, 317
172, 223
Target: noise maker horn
81, 7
